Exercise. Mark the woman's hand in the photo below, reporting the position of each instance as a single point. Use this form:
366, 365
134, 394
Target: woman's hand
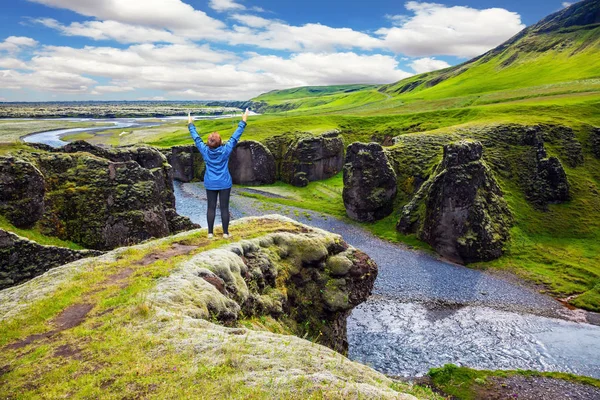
190, 119
245, 116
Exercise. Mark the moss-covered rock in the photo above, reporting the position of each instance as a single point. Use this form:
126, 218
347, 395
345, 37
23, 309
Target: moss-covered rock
186, 161
22, 259
251, 163
310, 281
595, 142
303, 157
460, 210
369, 183
101, 198
22, 190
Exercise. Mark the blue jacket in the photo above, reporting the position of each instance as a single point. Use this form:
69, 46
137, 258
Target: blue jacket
217, 175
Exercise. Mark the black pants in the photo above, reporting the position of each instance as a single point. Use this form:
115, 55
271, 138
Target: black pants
223, 195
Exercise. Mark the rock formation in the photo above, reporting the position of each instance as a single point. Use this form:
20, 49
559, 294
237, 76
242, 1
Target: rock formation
22, 259
546, 182
22, 192
251, 163
98, 198
302, 158
219, 318
369, 183
460, 210
595, 142
186, 161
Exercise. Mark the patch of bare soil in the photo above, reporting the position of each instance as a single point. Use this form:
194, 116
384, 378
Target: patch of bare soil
68, 351
176, 249
69, 318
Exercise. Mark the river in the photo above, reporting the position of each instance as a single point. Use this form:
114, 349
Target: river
425, 312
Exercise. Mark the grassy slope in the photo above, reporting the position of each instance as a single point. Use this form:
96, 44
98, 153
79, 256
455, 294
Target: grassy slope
129, 347
35, 235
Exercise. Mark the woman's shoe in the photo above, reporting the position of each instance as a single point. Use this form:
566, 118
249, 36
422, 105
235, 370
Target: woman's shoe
211, 236
226, 236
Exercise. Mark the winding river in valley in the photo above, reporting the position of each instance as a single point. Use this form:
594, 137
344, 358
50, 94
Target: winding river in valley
425, 312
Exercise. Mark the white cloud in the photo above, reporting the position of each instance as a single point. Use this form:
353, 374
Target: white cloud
113, 89
104, 30
310, 37
427, 64
567, 4
16, 43
173, 15
252, 21
436, 29
191, 71
12, 63
225, 5
47, 81
326, 69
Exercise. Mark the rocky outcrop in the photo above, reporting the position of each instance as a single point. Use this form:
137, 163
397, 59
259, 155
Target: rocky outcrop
186, 161
99, 198
246, 318
302, 157
251, 163
310, 276
369, 183
460, 211
22, 191
595, 142
547, 181
22, 259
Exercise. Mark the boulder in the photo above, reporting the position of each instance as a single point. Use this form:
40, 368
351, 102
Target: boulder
103, 198
22, 190
595, 142
22, 259
546, 181
369, 183
186, 161
251, 163
303, 157
460, 211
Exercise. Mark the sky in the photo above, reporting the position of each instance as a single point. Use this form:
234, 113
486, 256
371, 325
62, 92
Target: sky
58, 50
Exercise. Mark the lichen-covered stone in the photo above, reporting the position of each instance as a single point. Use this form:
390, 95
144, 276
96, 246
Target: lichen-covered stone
22, 259
104, 198
460, 211
251, 163
369, 183
22, 190
313, 278
303, 158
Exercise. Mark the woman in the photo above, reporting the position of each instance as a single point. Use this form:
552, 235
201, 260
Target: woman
217, 179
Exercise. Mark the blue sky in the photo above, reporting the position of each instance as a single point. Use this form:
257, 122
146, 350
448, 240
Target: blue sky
237, 49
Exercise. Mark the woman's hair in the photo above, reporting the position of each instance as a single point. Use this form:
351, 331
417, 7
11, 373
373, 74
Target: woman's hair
214, 140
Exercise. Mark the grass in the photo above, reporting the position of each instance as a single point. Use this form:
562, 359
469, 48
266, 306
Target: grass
126, 348
36, 235
470, 384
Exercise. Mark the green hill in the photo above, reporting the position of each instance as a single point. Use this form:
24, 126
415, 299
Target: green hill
558, 55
